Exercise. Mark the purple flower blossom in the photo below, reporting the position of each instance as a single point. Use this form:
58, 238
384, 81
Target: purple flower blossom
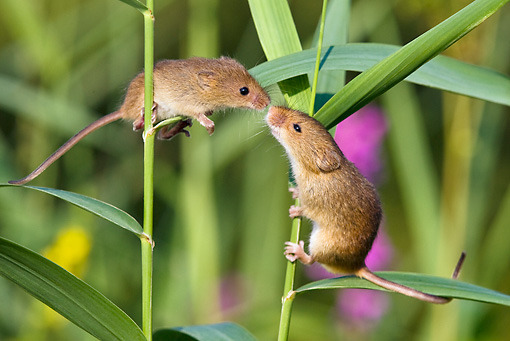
231, 290
360, 137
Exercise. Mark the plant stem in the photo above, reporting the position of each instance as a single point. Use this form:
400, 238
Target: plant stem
318, 59
288, 291
288, 296
148, 193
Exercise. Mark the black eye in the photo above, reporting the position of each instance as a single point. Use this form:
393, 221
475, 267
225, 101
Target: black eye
297, 127
244, 91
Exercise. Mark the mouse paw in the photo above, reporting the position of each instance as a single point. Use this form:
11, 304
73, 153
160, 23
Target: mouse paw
294, 191
295, 211
166, 133
206, 122
154, 115
138, 124
295, 252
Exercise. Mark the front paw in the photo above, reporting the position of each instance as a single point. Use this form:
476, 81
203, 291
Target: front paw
206, 122
295, 252
210, 128
294, 191
295, 211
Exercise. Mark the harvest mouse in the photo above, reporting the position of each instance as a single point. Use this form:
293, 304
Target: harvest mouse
193, 87
343, 205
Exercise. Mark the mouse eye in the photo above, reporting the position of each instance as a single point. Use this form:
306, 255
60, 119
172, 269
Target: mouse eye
244, 91
297, 127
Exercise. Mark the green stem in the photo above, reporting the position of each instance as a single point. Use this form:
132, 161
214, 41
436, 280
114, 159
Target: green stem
288, 294
318, 59
148, 193
288, 291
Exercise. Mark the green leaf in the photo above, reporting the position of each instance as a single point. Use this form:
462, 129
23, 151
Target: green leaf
278, 37
212, 332
337, 24
66, 294
430, 284
137, 5
94, 206
442, 72
393, 69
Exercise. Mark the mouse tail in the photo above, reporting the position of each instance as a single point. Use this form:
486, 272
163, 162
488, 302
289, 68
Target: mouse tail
399, 288
402, 289
114, 116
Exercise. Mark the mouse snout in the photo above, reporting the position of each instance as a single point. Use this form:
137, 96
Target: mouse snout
261, 101
274, 117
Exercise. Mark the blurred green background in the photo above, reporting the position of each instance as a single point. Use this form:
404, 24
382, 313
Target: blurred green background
221, 201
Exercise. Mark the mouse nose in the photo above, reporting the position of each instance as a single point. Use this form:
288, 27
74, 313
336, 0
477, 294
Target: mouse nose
274, 118
261, 101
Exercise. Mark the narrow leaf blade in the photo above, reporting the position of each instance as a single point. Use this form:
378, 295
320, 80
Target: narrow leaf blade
442, 72
406, 60
226, 331
430, 284
136, 4
94, 206
278, 37
66, 294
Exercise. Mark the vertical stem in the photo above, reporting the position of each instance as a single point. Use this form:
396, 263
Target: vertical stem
288, 291
148, 175
318, 58
288, 296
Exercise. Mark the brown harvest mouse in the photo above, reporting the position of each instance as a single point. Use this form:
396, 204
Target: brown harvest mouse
193, 88
343, 205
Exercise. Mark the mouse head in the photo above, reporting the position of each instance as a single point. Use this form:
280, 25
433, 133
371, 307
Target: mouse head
306, 141
229, 84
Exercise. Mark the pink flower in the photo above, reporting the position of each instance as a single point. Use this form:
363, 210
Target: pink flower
360, 137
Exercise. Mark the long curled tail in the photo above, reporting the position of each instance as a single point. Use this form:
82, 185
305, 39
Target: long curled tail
114, 116
402, 289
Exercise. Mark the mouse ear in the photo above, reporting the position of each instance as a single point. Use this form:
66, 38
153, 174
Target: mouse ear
328, 160
207, 79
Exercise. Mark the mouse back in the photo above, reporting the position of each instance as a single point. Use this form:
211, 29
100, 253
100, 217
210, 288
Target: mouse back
207, 84
196, 86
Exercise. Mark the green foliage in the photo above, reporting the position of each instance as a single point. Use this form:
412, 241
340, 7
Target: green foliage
393, 69
66, 294
213, 332
94, 206
434, 285
216, 221
442, 72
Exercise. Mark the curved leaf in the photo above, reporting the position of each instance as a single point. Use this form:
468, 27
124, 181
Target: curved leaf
66, 294
442, 72
97, 207
278, 36
393, 69
439, 286
137, 5
226, 331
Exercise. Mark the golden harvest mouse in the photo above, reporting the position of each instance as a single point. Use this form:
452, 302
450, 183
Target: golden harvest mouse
193, 87
343, 205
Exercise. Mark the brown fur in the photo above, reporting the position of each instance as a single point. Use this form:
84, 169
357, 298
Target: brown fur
343, 205
193, 87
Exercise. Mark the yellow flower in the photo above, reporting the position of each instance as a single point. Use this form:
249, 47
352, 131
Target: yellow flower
70, 249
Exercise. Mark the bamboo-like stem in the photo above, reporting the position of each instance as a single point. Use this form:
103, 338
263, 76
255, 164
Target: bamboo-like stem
318, 58
288, 296
148, 193
288, 291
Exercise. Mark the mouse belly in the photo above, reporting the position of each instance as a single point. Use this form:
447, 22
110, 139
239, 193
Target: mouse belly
165, 111
336, 250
